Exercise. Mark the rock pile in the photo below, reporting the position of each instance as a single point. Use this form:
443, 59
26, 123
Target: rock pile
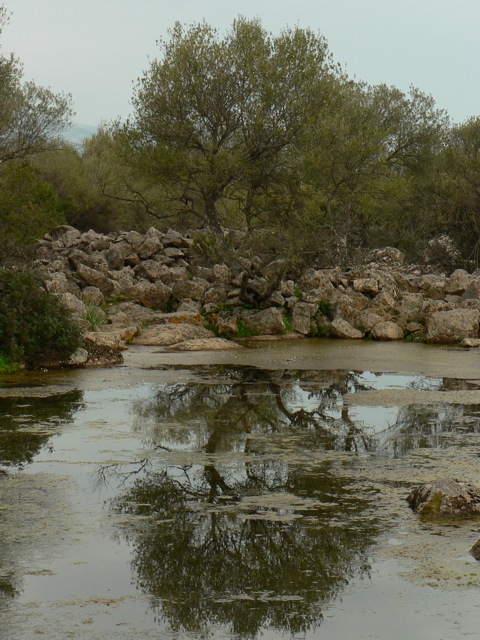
151, 285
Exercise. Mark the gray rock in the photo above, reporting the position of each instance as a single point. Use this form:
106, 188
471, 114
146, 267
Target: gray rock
266, 322
164, 335
387, 331
95, 278
448, 327
446, 497
342, 329
154, 295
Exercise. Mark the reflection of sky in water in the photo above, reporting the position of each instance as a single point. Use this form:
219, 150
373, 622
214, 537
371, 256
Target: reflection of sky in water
376, 419
381, 381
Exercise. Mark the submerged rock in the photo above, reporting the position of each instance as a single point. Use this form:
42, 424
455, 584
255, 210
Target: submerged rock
446, 497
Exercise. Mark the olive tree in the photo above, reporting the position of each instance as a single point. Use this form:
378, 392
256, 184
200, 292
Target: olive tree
31, 117
216, 117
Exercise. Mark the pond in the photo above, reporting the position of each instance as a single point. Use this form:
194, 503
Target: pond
257, 493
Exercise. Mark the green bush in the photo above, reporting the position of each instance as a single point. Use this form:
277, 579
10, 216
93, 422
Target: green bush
35, 327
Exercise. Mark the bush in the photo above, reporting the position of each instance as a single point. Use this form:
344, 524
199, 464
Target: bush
35, 327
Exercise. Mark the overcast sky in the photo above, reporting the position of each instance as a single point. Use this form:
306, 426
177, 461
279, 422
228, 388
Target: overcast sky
96, 49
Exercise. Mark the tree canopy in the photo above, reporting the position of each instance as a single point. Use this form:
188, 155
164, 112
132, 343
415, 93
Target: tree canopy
31, 117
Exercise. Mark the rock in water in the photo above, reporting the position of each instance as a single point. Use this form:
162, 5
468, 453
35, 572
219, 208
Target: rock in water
446, 497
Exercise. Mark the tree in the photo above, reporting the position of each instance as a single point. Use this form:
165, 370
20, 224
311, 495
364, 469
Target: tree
31, 117
457, 189
215, 118
362, 162
29, 206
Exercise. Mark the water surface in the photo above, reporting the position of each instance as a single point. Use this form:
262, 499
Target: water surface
251, 494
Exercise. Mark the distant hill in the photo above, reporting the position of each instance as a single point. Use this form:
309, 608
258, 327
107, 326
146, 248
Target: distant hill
79, 131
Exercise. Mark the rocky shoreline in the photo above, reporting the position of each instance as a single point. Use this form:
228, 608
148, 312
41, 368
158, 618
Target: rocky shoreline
152, 289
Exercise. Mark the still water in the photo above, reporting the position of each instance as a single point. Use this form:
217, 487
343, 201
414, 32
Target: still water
252, 494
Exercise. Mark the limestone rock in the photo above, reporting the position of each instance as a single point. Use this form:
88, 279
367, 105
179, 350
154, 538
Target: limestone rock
343, 329
266, 322
94, 278
302, 314
154, 295
366, 285
448, 327
164, 335
204, 344
387, 331
458, 282
446, 497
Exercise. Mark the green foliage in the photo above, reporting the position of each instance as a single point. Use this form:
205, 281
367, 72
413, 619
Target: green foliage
31, 117
324, 307
34, 326
287, 321
215, 118
29, 206
6, 365
244, 331
317, 329
95, 316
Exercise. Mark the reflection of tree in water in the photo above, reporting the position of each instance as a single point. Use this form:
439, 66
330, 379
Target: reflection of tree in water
27, 424
234, 523
238, 563
239, 536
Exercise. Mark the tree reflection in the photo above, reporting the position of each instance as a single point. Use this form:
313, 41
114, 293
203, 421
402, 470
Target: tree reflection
244, 564
239, 518
28, 423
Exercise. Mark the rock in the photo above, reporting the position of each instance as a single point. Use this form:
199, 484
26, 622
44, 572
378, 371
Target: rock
225, 325
448, 327
65, 234
79, 358
446, 497
165, 335
73, 303
57, 283
473, 290
266, 322
343, 329
302, 314
366, 285
475, 551
151, 270
93, 295
387, 256
387, 331
192, 289
154, 295
117, 253
126, 313
94, 278
470, 342
367, 320
458, 282
441, 251
204, 344
100, 353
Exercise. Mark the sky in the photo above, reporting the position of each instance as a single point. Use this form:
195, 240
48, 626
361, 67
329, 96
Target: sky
97, 49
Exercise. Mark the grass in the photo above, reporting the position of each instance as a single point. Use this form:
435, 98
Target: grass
6, 365
95, 316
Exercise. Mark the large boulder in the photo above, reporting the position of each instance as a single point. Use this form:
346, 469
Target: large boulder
342, 329
446, 497
387, 331
154, 295
165, 335
266, 322
449, 327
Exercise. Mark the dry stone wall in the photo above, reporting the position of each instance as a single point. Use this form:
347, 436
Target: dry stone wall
149, 279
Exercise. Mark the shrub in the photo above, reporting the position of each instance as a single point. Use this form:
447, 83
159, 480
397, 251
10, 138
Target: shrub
35, 327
